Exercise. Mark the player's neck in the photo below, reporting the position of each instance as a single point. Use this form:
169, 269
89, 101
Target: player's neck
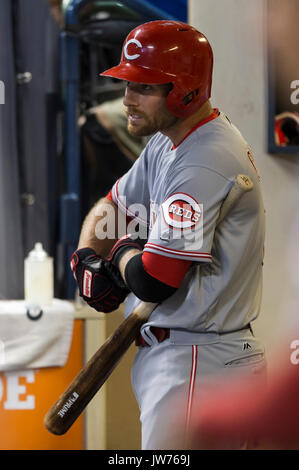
180, 129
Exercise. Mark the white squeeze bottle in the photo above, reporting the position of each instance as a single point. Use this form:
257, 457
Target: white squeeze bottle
38, 276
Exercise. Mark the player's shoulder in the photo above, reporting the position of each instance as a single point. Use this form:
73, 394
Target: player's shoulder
218, 146
220, 134
157, 141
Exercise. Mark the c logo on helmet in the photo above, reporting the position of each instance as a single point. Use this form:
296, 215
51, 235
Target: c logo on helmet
134, 56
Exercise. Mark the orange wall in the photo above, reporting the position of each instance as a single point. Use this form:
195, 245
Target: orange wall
26, 396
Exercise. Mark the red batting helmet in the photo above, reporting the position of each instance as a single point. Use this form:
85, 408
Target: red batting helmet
169, 51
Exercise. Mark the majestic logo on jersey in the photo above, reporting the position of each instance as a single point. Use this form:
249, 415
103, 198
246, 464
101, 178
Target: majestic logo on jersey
181, 211
126, 53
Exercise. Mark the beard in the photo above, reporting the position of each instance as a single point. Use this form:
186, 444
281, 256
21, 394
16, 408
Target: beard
145, 126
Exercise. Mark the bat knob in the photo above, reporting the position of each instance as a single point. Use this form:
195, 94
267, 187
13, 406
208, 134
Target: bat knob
245, 182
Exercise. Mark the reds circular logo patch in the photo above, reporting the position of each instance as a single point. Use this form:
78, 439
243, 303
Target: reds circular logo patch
181, 211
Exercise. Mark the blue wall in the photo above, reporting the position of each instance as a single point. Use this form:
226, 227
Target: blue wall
176, 8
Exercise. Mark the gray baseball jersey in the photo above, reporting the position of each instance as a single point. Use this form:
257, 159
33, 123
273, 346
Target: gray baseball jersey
178, 193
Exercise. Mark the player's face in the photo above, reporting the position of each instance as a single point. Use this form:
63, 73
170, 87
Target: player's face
146, 109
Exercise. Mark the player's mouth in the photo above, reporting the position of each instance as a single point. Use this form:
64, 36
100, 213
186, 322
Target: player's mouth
134, 118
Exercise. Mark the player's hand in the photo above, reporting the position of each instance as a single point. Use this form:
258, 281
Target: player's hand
123, 244
100, 283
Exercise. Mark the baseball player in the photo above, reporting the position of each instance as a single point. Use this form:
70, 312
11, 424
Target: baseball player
206, 279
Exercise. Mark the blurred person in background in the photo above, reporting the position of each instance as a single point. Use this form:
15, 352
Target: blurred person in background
267, 417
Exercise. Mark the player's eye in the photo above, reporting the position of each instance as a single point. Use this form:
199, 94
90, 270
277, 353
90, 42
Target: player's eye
147, 87
144, 88
141, 88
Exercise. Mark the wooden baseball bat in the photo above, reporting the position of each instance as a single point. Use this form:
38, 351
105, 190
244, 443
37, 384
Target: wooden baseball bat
93, 375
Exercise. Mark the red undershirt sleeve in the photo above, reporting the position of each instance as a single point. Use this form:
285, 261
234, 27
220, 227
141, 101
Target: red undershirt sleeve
171, 271
109, 196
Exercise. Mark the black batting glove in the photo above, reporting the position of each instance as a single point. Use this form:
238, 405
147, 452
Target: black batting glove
100, 283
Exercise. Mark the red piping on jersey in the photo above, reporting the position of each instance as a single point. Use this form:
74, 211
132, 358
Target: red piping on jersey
199, 124
110, 198
171, 271
189, 254
191, 387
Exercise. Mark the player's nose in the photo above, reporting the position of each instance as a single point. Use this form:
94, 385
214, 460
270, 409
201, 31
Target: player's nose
131, 98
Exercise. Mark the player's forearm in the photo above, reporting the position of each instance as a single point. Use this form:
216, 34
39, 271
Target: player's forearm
139, 281
100, 228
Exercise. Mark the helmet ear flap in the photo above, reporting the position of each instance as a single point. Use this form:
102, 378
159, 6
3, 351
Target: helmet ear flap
181, 105
190, 97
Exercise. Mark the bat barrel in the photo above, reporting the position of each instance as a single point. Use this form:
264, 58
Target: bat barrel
241, 185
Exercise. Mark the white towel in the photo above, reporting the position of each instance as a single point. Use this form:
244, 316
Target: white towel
28, 344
